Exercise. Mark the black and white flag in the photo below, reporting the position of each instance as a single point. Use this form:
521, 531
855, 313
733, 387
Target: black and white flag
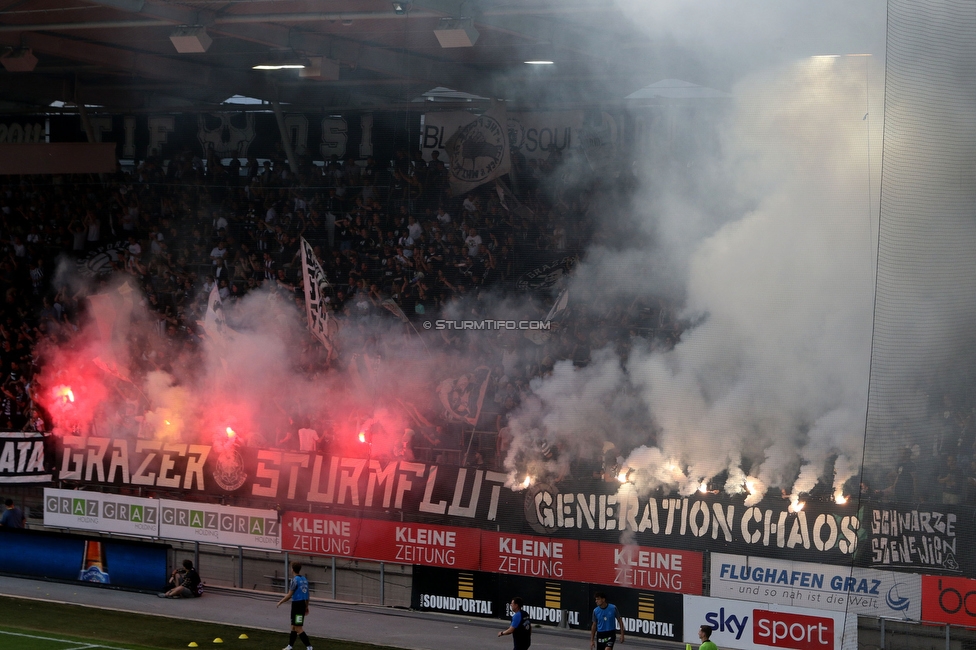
321, 323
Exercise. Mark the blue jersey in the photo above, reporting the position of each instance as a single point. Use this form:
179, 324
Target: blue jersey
605, 618
299, 588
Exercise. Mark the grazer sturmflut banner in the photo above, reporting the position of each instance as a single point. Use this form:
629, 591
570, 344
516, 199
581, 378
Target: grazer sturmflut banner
926, 538
22, 457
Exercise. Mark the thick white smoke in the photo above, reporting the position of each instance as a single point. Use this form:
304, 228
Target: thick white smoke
772, 382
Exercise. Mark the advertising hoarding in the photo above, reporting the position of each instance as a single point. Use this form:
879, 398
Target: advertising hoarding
217, 524
949, 600
759, 626
819, 586
103, 513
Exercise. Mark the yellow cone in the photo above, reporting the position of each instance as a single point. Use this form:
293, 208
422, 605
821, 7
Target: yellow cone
193, 644
218, 640
243, 636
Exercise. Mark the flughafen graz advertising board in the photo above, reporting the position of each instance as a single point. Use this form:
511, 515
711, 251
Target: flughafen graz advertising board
918, 538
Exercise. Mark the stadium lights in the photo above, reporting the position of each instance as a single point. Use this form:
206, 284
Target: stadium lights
400, 8
540, 62
284, 64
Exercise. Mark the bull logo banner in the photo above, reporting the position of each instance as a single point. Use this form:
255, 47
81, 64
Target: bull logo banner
478, 151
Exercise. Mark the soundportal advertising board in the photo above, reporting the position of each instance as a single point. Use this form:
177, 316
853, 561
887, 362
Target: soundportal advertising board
867, 592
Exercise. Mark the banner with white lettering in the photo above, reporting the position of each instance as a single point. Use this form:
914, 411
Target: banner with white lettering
649, 614
923, 538
535, 135
217, 524
229, 134
820, 586
22, 457
760, 626
864, 534
103, 513
381, 541
478, 151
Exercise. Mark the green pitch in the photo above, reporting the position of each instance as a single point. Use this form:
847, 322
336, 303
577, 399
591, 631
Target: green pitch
33, 625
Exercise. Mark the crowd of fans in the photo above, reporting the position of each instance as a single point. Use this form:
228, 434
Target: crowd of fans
381, 231
176, 228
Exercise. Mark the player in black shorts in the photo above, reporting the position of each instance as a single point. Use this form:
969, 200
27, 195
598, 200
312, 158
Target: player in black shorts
605, 620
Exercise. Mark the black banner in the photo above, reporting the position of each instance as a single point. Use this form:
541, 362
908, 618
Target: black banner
889, 536
23, 457
231, 133
650, 614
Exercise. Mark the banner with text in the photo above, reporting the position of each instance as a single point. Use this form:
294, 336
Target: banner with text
760, 626
650, 614
868, 534
216, 524
949, 600
820, 586
103, 513
22, 457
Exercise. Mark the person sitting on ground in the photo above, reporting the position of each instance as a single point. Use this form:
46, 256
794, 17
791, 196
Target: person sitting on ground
184, 583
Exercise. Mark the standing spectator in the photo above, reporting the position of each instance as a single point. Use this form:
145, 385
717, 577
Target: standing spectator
606, 620
298, 593
520, 627
903, 487
13, 517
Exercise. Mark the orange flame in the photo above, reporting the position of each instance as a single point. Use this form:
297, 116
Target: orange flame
65, 394
362, 436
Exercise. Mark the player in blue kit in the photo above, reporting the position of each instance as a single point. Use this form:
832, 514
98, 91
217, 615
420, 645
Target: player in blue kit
298, 593
521, 627
606, 620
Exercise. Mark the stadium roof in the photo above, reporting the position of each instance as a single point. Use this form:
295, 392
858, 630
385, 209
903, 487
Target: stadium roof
120, 53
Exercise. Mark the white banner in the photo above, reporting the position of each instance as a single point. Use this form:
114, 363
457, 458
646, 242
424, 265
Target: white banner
760, 626
216, 524
103, 513
868, 592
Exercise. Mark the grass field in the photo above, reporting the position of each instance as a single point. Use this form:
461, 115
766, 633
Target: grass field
36, 625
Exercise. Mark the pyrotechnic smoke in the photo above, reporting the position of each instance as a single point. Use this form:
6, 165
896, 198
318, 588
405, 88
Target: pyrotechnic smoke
771, 382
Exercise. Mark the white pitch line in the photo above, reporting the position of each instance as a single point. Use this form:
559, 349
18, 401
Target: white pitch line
48, 638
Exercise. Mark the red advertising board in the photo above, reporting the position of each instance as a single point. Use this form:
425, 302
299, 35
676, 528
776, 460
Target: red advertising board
525, 555
641, 567
949, 600
383, 541
454, 547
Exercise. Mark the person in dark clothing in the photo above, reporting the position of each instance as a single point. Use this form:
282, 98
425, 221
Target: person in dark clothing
184, 583
13, 517
520, 628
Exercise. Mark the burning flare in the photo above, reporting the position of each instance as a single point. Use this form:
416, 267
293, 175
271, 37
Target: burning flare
527, 482
362, 436
840, 499
703, 488
230, 432
64, 394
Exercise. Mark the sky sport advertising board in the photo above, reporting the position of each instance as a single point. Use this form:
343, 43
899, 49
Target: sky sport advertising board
103, 513
820, 586
217, 524
759, 626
